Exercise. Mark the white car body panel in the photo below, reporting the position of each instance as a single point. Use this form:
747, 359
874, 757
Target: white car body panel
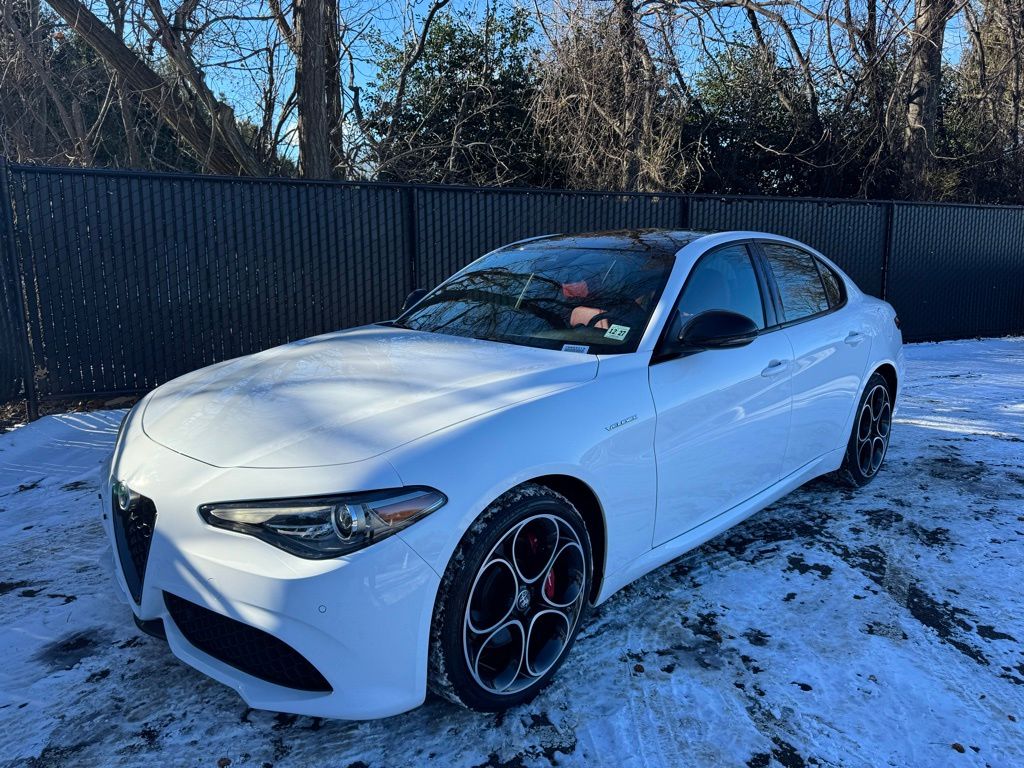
322, 608
830, 357
723, 428
350, 395
673, 548
616, 462
674, 453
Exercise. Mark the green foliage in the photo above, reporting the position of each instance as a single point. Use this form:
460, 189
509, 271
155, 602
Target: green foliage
748, 136
760, 134
465, 116
980, 155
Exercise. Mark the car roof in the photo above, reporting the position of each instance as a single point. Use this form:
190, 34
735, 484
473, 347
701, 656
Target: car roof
660, 242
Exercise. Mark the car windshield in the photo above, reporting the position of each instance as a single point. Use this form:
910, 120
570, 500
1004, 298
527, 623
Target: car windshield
582, 299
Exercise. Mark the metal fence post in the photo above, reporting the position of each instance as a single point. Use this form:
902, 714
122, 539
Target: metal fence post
890, 214
18, 289
411, 239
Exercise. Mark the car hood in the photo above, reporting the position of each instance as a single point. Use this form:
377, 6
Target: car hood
347, 396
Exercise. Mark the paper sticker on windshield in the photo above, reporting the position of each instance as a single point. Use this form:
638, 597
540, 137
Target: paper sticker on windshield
617, 332
581, 348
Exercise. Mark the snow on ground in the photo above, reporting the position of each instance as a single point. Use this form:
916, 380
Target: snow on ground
878, 627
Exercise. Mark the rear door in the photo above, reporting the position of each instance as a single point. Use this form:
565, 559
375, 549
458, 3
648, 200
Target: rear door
831, 345
723, 414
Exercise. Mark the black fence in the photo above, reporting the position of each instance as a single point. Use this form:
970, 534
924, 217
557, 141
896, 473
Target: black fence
112, 282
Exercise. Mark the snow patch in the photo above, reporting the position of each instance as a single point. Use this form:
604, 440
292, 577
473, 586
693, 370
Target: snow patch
883, 626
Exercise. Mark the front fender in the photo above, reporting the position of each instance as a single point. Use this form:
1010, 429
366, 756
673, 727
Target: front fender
601, 433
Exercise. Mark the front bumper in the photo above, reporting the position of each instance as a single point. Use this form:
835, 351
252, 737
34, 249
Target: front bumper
362, 621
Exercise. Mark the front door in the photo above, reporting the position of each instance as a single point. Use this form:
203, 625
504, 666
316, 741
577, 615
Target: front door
723, 415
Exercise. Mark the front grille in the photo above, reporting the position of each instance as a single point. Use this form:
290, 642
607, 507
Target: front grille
133, 532
245, 648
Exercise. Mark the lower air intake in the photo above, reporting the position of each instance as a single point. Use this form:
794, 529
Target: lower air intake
245, 648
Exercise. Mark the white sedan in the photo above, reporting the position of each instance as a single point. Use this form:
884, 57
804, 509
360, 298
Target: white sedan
336, 525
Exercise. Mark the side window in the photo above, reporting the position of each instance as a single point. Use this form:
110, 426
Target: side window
798, 280
723, 279
833, 285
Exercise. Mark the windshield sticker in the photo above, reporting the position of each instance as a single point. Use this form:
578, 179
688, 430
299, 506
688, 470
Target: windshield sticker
581, 348
617, 332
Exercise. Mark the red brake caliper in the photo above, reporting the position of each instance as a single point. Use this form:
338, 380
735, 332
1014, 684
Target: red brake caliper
549, 582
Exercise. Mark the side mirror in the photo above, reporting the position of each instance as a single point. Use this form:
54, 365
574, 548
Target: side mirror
413, 299
717, 329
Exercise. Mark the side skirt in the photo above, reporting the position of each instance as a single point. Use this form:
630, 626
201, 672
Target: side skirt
683, 543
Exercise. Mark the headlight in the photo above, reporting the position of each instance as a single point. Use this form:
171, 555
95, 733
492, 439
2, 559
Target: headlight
323, 527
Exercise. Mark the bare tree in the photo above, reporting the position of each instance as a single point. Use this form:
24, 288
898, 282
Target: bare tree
43, 111
927, 35
830, 97
605, 109
206, 123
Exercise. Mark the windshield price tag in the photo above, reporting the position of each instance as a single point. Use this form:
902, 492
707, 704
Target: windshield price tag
581, 348
617, 332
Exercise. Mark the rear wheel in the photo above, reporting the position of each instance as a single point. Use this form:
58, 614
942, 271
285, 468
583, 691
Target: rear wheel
869, 440
511, 601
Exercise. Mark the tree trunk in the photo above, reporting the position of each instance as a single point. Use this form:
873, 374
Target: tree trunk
335, 126
930, 19
311, 86
631, 95
117, 13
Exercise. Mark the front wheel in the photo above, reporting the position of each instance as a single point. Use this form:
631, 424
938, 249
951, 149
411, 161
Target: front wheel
869, 440
511, 601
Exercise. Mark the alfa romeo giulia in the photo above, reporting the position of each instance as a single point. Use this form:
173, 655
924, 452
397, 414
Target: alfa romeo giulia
337, 525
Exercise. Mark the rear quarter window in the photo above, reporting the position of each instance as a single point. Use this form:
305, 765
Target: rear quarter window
833, 284
800, 285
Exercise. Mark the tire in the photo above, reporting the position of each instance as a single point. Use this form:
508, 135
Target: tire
869, 438
491, 647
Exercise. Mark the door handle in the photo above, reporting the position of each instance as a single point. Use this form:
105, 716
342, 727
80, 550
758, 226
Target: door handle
775, 367
854, 338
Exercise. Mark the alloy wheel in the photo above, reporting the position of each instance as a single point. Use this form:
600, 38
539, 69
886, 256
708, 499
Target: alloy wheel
524, 604
873, 425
